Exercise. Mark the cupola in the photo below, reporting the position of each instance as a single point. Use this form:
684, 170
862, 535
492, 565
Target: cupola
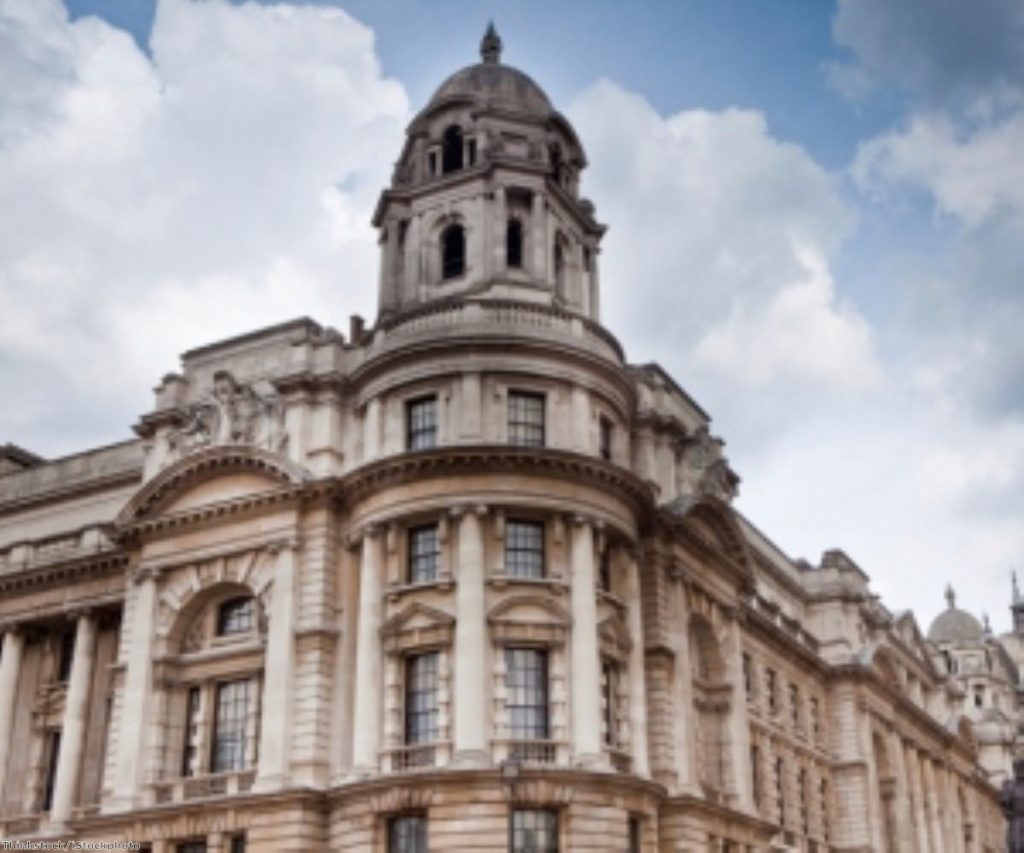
484, 201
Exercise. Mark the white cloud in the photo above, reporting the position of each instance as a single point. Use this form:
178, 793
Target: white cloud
221, 184
971, 175
719, 248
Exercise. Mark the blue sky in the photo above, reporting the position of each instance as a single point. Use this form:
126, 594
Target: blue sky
816, 219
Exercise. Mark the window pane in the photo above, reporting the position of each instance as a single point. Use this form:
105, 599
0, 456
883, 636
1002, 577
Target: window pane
526, 419
229, 729
50, 779
238, 844
191, 847
421, 423
235, 616
407, 834
421, 698
534, 831
424, 554
526, 683
524, 549
189, 752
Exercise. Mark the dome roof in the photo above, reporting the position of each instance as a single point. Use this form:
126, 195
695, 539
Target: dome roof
954, 625
494, 83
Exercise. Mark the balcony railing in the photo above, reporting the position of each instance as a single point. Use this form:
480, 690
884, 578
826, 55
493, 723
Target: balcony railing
533, 751
413, 757
201, 787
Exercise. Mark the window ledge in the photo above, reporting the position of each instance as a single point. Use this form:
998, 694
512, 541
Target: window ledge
443, 584
501, 580
204, 786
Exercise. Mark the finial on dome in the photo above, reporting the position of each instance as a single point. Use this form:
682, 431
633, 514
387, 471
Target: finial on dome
1016, 589
490, 46
950, 597
986, 624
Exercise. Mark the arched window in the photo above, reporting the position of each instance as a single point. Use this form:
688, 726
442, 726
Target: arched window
451, 150
453, 251
514, 243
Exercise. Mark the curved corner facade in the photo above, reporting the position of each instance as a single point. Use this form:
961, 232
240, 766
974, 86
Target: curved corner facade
463, 580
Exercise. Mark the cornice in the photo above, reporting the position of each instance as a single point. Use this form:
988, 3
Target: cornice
21, 581
458, 461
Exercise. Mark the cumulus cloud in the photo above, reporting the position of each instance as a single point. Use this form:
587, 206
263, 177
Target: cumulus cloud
717, 262
221, 183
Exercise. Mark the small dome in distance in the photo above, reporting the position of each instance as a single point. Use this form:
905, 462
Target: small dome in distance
954, 625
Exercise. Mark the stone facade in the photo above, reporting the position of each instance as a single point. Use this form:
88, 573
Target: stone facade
464, 580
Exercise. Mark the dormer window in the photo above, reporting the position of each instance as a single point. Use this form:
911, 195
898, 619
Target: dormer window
453, 251
235, 616
451, 150
514, 243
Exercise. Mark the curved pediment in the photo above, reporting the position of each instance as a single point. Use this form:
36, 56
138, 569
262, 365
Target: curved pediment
537, 609
712, 521
210, 476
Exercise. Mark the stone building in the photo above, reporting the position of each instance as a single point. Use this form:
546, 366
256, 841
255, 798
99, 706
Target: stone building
462, 580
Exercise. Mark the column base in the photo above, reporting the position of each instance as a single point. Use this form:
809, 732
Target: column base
471, 759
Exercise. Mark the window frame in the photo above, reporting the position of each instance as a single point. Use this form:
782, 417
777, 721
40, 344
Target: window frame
421, 844
525, 560
239, 722
526, 418
554, 815
539, 728
422, 567
412, 735
453, 267
605, 437
415, 431
515, 236
244, 614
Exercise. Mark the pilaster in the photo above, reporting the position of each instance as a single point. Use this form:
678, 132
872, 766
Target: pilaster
585, 664
367, 725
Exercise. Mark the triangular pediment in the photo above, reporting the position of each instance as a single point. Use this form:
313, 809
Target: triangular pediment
417, 617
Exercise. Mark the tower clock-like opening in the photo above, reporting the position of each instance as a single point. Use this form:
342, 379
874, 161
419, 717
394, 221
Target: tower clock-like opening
451, 150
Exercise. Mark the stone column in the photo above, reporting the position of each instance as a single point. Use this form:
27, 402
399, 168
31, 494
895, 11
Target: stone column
412, 272
76, 712
538, 221
472, 698
579, 419
366, 730
585, 662
278, 674
371, 430
738, 728
637, 682
10, 671
138, 688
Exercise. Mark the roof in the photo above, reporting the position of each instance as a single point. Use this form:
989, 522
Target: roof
954, 625
495, 84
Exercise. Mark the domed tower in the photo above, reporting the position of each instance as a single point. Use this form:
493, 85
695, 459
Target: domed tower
484, 201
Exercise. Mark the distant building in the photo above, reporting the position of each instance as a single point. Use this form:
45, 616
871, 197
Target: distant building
465, 580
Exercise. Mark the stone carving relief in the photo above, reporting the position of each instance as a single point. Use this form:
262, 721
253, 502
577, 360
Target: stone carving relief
703, 468
232, 413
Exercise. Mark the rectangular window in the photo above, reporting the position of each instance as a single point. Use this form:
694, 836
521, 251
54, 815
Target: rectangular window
635, 833
50, 777
524, 549
610, 700
421, 698
407, 834
232, 713
802, 785
424, 554
189, 752
237, 844
432, 163
794, 705
534, 831
755, 774
65, 655
823, 805
772, 688
421, 423
191, 847
526, 683
815, 719
605, 438
748, 675
525, 419
780, 796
